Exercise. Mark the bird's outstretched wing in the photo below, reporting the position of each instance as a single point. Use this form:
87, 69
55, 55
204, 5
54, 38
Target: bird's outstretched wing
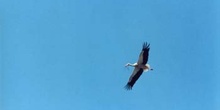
133, 78
143, 57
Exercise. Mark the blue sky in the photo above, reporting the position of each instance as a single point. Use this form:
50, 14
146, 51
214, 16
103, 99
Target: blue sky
70, 54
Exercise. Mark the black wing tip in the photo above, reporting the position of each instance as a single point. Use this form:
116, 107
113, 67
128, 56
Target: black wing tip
128, 87
146, 46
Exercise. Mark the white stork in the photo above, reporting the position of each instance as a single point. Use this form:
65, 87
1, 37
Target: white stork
139, 67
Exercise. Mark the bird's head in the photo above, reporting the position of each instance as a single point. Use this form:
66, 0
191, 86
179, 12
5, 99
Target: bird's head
128, 64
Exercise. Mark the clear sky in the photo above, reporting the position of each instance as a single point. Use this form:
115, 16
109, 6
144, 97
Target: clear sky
70, 54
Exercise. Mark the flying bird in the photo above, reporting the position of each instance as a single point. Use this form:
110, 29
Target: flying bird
139, 67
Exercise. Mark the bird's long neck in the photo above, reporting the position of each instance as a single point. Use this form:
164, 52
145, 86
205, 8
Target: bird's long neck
129, 64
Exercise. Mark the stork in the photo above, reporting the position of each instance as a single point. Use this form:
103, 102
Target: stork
139, 67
